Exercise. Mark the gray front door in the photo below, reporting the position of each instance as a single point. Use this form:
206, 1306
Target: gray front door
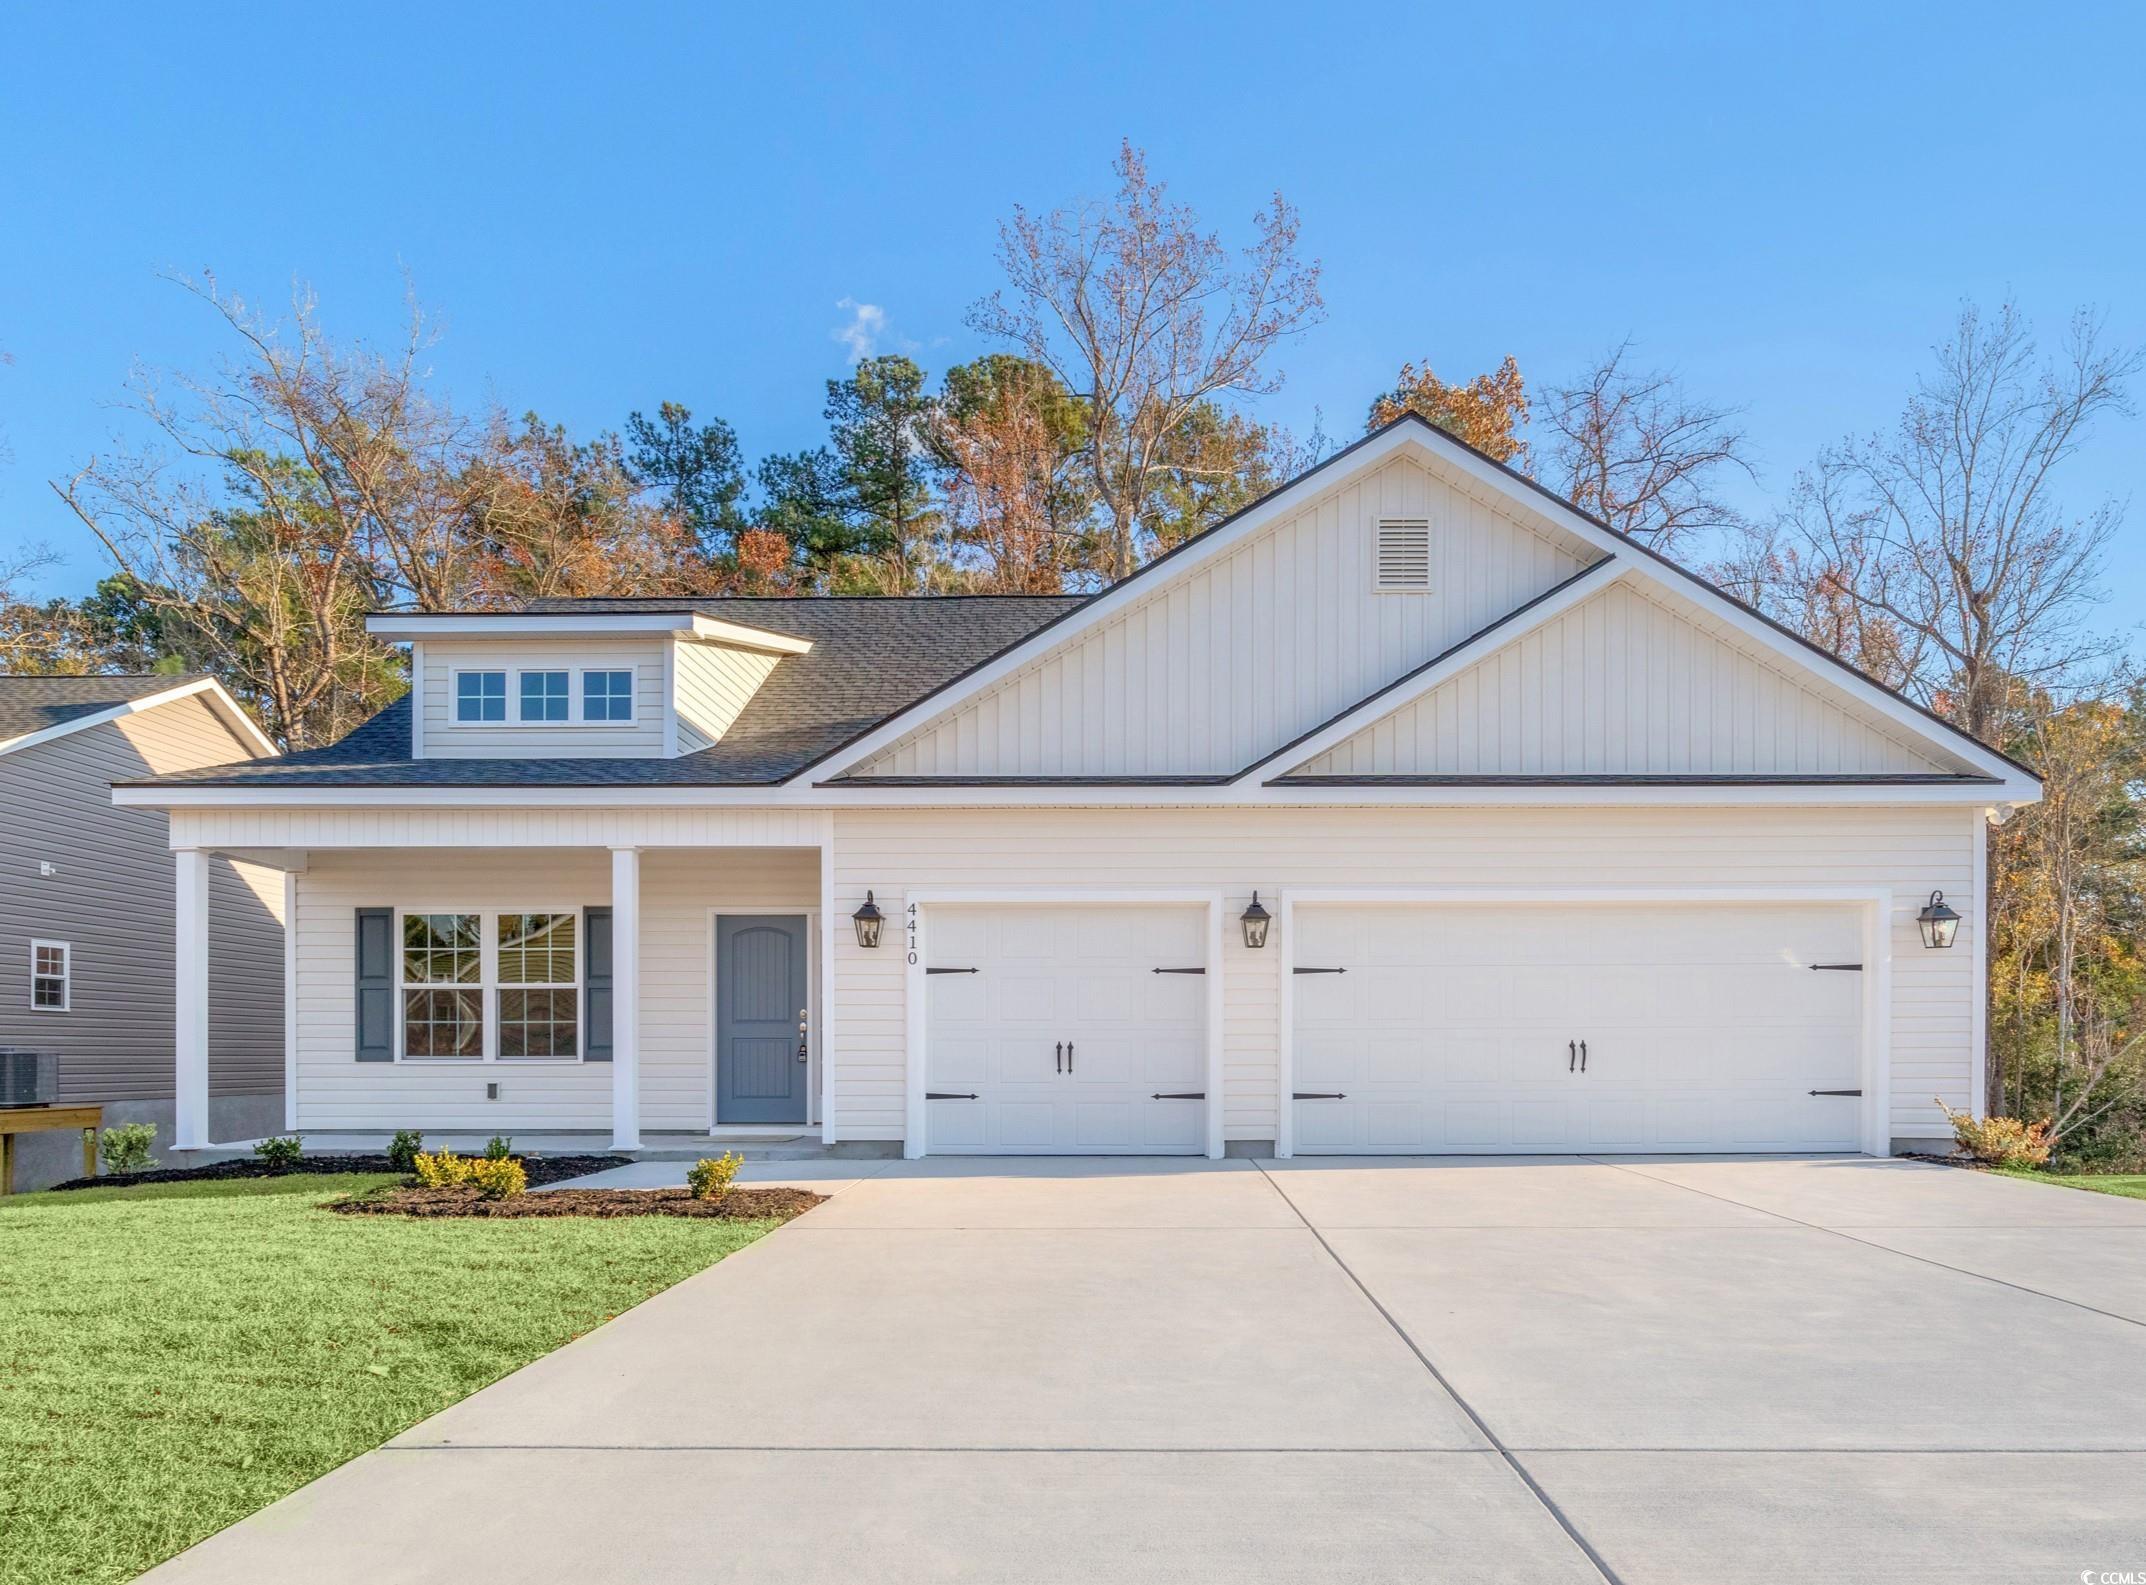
760, 998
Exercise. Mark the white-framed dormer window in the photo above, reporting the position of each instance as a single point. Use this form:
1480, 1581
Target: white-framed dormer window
607, 696
545, 697
490, 985
51, 976
480, 696
1401, 560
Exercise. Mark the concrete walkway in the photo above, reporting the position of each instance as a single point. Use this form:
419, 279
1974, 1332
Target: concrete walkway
1522, 1369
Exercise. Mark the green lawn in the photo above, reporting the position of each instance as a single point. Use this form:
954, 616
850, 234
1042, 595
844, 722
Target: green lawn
2132, 1185
173, 1357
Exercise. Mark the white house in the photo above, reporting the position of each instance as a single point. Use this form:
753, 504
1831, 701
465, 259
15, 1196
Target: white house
1558, 848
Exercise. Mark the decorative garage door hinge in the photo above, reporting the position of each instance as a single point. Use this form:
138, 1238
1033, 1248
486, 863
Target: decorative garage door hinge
1179, 1095
1300, 969
1318, 1095
1177, 971
949, 1095
1836, 1092
1853, 968
953, 971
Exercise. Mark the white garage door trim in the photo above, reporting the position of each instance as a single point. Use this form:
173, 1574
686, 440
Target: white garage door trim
915, 940
1876, 909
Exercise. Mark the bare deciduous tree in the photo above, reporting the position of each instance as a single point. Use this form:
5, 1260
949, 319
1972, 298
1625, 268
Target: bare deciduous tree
1949, 529
1144, 316
1633, 449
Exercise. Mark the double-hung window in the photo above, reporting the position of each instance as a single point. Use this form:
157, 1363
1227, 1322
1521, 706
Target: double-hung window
544, 696
480, 696
491, 986
607, 696
51, 963
539, 986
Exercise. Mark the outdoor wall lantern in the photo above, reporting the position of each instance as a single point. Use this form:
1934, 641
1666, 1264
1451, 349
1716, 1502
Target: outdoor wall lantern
868, 919
1939, 923
1255, 920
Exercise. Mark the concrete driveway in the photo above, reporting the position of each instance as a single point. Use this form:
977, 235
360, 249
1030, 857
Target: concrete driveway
1519, 1369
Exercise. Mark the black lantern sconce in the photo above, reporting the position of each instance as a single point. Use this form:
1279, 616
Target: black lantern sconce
1939, 923
1255, 920
868, 920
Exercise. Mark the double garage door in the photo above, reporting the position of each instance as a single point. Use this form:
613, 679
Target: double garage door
1596, 1028
1418, 1029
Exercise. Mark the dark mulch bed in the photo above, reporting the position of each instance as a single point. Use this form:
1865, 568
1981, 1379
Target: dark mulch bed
541, 1169
740, 1205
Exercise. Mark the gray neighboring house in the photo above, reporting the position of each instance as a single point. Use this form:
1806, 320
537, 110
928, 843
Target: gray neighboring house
87, 909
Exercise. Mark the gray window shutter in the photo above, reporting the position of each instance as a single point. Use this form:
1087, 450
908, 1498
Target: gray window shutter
376, 985
597, 985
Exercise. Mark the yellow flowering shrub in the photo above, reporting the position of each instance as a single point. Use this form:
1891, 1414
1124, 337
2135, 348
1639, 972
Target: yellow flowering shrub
442, 1169
709, 1178
498, 1177
2000, 1141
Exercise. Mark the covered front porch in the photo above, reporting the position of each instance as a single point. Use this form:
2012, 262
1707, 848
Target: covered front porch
632, 985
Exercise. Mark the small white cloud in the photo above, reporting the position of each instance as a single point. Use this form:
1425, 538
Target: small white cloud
862, 335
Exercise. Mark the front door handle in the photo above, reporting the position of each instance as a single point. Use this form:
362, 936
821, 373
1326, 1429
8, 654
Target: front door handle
803, 1025
1058, 1057
1583, 1056
1572, 1055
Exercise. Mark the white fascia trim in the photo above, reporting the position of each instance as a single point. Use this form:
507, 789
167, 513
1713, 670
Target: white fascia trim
1264, 796
508, 624
226, 708
1103, 607
1688, 585
1393, 700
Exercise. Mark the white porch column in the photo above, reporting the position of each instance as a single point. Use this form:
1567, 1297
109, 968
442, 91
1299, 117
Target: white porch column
625, 998
190, 999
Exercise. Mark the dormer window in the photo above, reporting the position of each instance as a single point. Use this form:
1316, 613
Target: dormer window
607, 696
480, 696
544, 696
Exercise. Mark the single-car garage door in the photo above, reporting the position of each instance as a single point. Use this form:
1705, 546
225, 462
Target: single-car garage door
1066, 1030
1586, 1027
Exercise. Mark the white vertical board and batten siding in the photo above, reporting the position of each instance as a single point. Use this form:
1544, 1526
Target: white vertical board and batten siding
335, 1091
1907, 850
1631, 682
446, 738
1222, 662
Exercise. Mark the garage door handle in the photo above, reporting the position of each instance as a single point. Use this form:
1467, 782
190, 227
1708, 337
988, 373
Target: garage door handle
1572, 1054
948, 1095
1179, 1095
1583, 1056
1835, 1092
1069, 1056
1058, 1057
1318, 1095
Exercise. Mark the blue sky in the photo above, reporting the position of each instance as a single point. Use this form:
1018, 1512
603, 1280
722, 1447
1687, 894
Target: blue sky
612, 206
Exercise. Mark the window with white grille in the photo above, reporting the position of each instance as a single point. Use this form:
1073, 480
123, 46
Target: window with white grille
1403, 560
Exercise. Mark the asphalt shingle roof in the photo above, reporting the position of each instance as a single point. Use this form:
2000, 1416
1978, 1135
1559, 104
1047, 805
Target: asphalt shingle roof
870, 658
31, 704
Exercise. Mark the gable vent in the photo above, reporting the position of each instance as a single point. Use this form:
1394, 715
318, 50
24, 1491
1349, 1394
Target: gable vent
1404, 553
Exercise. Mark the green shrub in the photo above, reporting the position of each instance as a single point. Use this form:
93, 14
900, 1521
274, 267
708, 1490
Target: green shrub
125, 1147
709, 1178
498, 1148
498, 1177
281, 1152
403, 1148
2000, 1141
443, 1169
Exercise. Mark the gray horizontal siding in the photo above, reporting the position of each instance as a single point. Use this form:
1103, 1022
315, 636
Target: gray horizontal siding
112, 900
